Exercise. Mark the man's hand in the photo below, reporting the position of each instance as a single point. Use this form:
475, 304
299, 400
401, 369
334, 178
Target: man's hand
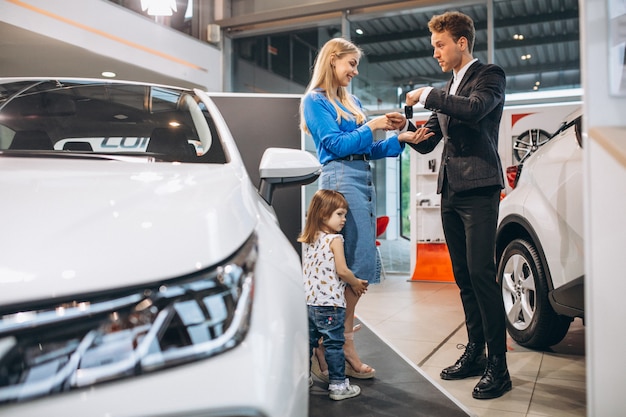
420, 135
413, 97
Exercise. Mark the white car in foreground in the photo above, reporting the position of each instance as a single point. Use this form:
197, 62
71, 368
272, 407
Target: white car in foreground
539, 247
141, 272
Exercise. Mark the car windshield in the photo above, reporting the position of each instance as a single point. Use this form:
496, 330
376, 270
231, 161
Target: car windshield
99, 119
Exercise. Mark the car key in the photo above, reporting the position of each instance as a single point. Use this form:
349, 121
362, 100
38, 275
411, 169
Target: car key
408, 112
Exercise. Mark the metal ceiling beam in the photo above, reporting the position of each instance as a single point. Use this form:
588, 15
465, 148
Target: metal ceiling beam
510, 71
508, 44
524, 69
499, 24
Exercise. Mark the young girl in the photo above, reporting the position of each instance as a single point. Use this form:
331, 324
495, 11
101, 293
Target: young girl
325, 277
344, 140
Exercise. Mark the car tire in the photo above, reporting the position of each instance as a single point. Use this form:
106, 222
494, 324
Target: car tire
530, 319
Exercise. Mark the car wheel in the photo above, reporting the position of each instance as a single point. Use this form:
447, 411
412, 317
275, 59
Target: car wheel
528, 142
531, 321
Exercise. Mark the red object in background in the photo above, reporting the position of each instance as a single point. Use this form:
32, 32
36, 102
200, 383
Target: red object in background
512, 174
433, 263
381, 225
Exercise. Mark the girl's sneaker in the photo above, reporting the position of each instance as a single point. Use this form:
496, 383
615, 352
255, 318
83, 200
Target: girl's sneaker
343, 391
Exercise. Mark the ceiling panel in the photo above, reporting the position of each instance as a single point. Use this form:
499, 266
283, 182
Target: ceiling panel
400, 44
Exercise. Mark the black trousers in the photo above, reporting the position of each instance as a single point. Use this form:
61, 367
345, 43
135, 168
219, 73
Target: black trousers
469, 223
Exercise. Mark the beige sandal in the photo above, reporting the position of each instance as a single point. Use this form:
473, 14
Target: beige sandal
365, 371
364, 374
317, 370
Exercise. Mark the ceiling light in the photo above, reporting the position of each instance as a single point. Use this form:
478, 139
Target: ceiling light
359, 31
109, 74
518, 37
525, 57
159, 7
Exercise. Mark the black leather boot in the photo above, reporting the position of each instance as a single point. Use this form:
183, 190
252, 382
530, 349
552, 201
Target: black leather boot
496, 379
471, 363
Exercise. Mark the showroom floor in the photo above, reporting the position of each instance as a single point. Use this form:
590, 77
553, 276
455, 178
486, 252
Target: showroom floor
423, 322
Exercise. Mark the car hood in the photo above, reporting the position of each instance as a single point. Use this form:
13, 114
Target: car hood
75, 226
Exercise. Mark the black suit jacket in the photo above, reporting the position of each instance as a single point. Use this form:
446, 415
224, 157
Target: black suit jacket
468, 122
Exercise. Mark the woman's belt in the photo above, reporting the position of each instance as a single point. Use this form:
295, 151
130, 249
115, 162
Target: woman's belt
359, 157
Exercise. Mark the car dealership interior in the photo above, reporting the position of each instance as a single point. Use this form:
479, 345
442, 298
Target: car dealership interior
562, 136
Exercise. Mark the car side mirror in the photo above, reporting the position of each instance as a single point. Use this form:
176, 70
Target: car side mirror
281, 167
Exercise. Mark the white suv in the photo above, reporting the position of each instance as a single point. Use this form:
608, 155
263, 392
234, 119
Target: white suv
141, 271
539, 247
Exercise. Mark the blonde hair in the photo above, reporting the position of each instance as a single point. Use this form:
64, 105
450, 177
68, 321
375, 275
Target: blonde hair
324, 78
322, 206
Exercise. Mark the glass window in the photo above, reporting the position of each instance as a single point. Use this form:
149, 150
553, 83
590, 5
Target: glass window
101, 120
538, 44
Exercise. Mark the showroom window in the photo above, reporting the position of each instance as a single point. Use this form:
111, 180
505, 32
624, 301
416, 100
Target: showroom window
536, 43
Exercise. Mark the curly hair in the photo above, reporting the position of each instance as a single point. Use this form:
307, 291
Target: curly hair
458, 24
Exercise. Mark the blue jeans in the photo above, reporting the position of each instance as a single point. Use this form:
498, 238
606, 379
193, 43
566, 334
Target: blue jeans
354, 180
327, 322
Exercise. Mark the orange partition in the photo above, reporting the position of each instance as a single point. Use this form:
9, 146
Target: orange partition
432, 263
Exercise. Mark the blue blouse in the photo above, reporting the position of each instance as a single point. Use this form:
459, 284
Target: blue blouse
334, 141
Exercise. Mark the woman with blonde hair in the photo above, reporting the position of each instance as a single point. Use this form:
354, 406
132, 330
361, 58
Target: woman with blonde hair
345, 144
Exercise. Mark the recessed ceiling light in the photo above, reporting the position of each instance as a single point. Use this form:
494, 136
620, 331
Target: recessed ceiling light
518, 37
359, 31
109, 74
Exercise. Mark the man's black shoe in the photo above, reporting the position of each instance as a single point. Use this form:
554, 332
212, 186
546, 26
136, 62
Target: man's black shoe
495, 381
471, 363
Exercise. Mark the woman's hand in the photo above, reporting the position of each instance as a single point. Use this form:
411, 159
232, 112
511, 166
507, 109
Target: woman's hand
420, 135
380, 123
396, 119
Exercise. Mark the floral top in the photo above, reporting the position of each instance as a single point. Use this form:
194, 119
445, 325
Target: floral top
322, 285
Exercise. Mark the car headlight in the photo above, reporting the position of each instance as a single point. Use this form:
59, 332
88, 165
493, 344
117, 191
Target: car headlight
95, 338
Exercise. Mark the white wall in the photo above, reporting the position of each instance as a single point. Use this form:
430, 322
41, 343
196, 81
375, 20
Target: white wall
604, 159
250, 75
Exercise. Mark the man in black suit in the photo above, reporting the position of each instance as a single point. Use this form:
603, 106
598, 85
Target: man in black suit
466, 116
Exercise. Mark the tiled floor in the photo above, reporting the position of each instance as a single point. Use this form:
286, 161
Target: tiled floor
423, 321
